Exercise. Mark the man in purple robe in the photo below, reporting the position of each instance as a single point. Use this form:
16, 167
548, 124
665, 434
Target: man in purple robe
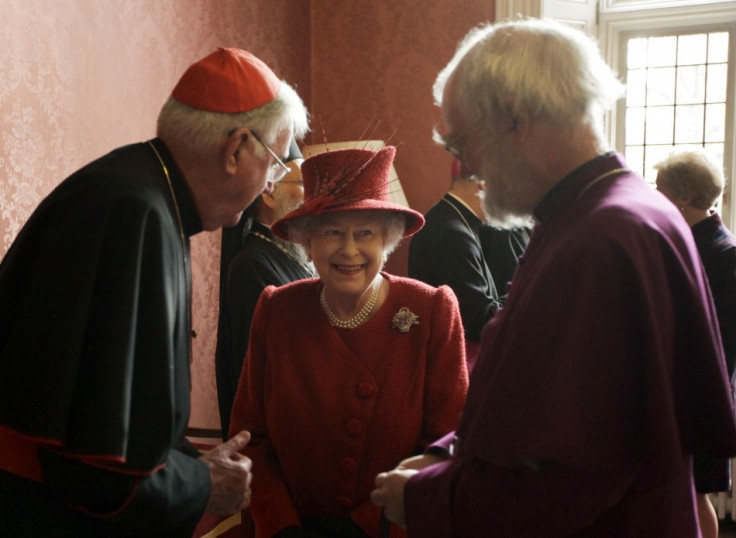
604, 374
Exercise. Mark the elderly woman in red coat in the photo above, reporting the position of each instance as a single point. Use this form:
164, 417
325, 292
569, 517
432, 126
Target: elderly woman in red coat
349, 373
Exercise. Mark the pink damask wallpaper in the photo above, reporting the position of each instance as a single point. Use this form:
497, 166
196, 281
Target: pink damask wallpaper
81, 77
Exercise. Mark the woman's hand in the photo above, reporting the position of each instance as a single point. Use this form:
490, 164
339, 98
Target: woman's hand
389, 494
420, 462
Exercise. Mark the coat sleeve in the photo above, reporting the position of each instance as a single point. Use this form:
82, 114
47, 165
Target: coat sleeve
447, 371
471, 497
124, 502
271, 507
722, 278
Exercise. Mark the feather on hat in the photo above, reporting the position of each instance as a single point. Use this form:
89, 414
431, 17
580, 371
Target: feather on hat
348, 180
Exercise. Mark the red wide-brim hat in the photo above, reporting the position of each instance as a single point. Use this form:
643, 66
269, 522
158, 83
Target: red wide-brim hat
348, 180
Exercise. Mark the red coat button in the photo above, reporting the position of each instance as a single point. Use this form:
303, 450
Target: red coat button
365, 390
348, 464
354, 427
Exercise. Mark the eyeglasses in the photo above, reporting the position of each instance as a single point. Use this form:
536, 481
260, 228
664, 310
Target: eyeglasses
277, 160
450, 145
454, 151
453, 143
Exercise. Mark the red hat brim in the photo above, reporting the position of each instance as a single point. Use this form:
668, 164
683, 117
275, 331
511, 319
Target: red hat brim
414, 219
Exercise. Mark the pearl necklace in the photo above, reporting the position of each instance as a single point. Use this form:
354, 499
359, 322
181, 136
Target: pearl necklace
358, 318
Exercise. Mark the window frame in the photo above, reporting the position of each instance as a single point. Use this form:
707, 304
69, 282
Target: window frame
620, 20
614, 20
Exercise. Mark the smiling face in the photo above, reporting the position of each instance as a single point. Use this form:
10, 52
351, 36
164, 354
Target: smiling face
347, 251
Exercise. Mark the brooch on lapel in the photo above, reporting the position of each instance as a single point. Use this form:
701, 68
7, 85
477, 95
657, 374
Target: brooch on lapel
404, 319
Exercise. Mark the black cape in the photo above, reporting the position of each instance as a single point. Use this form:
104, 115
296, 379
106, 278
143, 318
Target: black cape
95, 350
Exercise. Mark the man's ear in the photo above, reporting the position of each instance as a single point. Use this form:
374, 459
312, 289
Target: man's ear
268, 199
519, 123
515, 120
236, 141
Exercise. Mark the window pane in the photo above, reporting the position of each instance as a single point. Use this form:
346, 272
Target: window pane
718, 47
635, 126
661, 51
677, 93
660, 123
636, 55
635, 158
691, 84
636, 87
715, 123
661, 86
717, 76
691, 49
689, 124
715, 152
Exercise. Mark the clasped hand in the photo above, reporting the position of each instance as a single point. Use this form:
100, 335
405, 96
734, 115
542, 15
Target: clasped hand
389, 491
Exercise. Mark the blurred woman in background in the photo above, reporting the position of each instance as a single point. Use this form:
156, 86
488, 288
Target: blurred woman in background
694, 184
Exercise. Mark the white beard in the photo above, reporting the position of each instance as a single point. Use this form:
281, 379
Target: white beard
508, 192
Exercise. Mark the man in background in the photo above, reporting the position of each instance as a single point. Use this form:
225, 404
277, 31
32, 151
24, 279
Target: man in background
252, 260
588, 397
448, 251
95, 323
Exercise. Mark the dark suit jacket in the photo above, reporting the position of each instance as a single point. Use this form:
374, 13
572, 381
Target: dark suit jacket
258, 263
448, 251
502, 249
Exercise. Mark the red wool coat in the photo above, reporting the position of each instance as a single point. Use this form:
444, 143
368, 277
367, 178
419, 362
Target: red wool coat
330, 408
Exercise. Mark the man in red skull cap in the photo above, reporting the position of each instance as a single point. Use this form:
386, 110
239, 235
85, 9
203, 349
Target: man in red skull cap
96, 322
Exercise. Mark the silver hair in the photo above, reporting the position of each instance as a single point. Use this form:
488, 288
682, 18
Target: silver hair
691, 174
201, 131
393, 224
541, 67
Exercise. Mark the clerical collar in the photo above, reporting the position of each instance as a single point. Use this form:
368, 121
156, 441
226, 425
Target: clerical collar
189, 215
460, 200
567, 190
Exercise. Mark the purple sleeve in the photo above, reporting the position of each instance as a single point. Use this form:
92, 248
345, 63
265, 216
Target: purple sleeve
470, 497
443, 445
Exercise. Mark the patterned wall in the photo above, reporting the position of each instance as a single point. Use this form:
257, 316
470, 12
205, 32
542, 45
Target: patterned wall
80, 77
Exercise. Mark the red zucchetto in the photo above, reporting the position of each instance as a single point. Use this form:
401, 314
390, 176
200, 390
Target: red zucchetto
227, 81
